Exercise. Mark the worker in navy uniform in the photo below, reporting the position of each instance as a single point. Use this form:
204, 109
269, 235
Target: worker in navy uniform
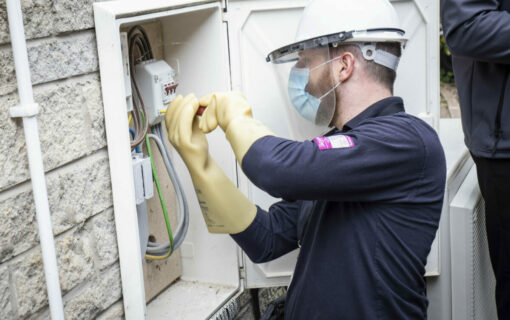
363, 201
478, 36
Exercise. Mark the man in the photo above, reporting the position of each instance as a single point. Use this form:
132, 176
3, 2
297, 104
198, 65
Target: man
362, 202
478, 35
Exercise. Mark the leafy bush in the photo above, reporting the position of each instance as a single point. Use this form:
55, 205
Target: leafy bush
446, 71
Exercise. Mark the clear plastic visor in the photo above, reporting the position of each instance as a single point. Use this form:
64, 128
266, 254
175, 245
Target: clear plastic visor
312, 85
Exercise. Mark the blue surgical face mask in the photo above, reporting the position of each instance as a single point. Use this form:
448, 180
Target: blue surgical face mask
306, 104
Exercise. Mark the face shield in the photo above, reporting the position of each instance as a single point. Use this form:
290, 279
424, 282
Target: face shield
312, 85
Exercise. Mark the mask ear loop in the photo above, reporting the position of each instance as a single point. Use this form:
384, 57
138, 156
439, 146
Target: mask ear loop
326, 62
336, 86
320, 65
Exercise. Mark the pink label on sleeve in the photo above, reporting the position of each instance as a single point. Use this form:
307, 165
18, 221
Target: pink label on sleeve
334, 142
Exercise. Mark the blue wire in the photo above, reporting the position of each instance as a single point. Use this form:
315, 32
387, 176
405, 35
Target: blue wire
133, 136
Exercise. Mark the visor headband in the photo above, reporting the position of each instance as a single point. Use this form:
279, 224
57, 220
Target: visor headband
379, 56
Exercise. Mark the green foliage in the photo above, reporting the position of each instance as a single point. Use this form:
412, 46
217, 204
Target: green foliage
443, 46
445, 76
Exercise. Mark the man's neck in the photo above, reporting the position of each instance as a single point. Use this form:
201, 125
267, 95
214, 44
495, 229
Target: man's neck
355, 102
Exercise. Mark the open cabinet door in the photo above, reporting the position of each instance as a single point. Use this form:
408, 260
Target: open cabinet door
256, 27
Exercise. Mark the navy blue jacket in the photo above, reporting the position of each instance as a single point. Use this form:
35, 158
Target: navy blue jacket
364, 204
477, 33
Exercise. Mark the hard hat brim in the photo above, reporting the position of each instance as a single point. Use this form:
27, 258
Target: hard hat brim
291, 51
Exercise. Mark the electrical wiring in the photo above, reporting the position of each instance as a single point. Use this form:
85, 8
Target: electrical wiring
163, 206
133, 134
139, 50
182, 205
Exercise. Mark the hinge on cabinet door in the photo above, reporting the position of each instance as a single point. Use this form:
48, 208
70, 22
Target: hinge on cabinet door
242, 273
225, 16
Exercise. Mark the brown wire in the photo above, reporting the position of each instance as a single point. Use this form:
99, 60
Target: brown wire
138, 40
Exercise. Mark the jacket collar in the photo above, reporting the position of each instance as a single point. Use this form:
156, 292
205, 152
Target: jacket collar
384, 107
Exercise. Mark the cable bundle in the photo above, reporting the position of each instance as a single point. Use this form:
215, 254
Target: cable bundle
140, 50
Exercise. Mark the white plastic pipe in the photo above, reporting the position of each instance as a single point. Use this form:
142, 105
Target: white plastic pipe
28, 110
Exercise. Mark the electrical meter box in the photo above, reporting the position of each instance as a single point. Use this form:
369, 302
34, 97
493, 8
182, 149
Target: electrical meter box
218, 46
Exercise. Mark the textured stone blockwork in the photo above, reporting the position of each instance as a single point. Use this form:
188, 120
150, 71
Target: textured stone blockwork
63, 63
5, 297
77, 265
71, 125
96, 296
29, 283
52, 59
74, 258
105, 240
44, 17
115, 312
37, 18
75, 193
73, 15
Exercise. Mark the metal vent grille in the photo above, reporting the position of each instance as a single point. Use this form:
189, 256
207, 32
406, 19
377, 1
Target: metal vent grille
483, 286
471, 271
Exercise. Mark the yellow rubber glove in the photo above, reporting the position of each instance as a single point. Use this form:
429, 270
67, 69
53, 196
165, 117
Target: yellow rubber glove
224, 207
232, 113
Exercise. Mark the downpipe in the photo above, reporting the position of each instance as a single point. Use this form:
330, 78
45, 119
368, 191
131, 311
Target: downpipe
28, 110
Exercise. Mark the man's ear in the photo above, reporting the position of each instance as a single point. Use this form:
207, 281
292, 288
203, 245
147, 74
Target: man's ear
346, 63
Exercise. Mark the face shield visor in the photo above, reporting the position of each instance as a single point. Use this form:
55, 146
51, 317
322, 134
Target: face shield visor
312, 85
312, 81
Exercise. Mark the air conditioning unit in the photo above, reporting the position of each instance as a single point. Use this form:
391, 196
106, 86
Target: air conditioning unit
473, 282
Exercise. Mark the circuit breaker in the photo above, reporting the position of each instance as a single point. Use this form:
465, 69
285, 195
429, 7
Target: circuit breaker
155, 79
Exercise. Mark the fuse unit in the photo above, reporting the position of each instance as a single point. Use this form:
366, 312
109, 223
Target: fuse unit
155, 79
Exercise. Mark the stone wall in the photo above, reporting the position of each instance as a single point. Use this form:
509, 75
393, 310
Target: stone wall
64, 68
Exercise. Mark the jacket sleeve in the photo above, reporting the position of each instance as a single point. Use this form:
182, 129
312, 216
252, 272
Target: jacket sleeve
477, 29
272, 234
386, 163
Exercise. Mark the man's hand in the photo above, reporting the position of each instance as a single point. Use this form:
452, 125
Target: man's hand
184, 132
222, 108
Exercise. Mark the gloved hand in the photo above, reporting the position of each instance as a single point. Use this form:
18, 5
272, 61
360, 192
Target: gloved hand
232, 113
184, 132
224, 207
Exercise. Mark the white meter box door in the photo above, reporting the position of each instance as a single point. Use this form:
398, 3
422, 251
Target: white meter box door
258, 27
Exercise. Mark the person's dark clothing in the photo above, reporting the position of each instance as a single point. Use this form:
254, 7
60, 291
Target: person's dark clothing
364, 204
477, 33
494, 180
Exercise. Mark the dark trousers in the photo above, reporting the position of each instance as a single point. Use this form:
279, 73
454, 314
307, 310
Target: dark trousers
494, 180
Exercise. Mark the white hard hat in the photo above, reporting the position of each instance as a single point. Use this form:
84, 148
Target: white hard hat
332, 22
